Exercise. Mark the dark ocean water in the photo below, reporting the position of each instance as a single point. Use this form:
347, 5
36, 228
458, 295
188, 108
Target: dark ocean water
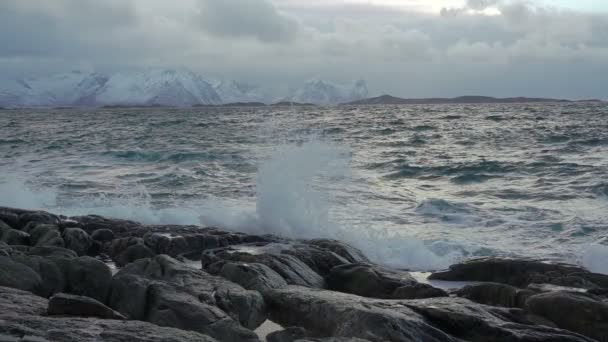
414, 186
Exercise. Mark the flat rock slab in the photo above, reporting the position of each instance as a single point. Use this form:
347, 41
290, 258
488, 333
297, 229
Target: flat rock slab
63, 304
327, 313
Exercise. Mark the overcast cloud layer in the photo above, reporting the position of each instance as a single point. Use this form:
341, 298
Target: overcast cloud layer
407, 48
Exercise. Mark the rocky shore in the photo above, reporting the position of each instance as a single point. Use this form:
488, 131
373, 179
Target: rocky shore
91, 278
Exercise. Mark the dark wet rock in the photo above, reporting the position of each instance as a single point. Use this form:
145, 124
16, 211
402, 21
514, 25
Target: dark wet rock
378, 282
45, 235
348, 252
327, 313
572, 311
495, 294
289, 267
77, 240
133, 253
289, 334
38, 217
162, 289
51, 251
22, 318
102, 235
168, 307
14, 236
542, 288
52, 277
5, 250
91, 223
86, 276
9, 218
332, 339
18, 276
63, 304
21, 302
517, 272
251, 276
319, 259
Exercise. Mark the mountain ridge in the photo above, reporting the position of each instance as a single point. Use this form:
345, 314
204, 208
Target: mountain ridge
467, 99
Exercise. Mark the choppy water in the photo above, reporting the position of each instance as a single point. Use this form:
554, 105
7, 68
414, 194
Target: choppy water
414, 186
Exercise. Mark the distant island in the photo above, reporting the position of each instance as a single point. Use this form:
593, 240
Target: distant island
392, 100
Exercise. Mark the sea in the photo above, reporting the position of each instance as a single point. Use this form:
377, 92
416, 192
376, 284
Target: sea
417, 187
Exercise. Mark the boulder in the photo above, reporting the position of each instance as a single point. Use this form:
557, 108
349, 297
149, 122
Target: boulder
319, 259
21, 302
37, 217
162, 289
495, 294
378, 282
572, 311
5, 250
86, 276
14, 237
290, 268
77, 240
102, 235
9, 217
133, 253
348, 252
519, 273
18, 276
45, 235
52, 252
167, 306
91, 223
328, 313
289, 334
257, 277
332, 339
63, 304
52, 277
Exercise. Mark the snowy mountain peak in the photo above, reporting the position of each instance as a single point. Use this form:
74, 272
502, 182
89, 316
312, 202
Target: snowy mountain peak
326, 93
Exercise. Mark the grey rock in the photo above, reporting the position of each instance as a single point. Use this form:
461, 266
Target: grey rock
38, 217
573, 311
346, 251
5, 250
64, 304
518, 272
162, 289
290, 334
46, 235
92, 223
51, 251
52, 277
332, 339
102, 235
495, 294
9, 218
327, 313
319, 259
18, 276
21, 302
133, 253
289, 267
168, 307
77, 240
378, 282
258, 277
15, 237
86, 276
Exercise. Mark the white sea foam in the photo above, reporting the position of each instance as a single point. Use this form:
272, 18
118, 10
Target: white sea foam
594, 257
288, 203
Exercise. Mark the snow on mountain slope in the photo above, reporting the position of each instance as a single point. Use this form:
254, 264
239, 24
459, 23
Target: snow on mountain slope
157, 87
233, 91
326, 93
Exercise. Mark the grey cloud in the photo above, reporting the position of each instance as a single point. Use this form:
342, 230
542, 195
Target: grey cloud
247, 18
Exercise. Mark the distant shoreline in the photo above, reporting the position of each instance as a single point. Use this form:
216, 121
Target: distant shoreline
372, 101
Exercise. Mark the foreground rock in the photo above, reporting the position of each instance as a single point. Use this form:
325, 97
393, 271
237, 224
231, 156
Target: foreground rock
167, 292
496, 294
21, 319
573, 311
332, 314
70, 305
378, 282
521, 273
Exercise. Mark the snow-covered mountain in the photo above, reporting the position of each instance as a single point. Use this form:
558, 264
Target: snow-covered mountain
326, 93
166, 87
233, 91
149, 87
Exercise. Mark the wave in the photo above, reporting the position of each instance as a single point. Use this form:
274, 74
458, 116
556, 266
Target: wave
165, 156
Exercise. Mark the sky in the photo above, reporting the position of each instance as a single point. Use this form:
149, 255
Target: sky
410, 48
